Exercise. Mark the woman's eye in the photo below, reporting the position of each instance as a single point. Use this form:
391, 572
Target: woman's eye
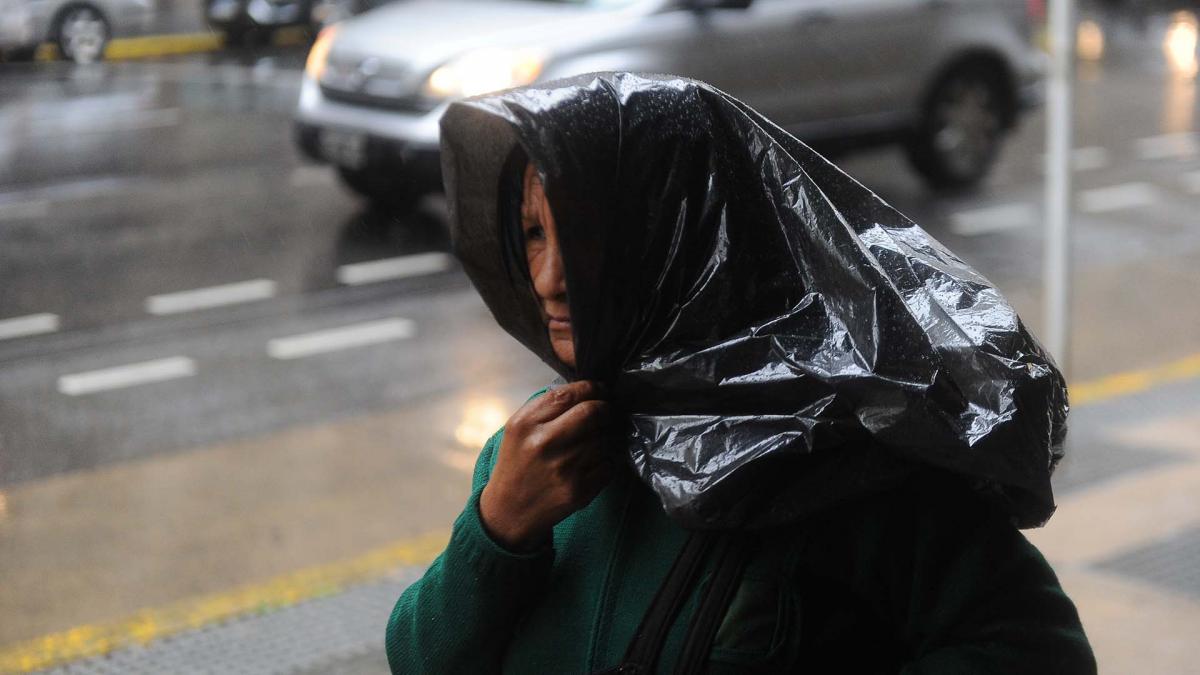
535, 233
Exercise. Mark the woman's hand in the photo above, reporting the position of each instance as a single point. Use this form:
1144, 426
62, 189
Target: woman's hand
552, 463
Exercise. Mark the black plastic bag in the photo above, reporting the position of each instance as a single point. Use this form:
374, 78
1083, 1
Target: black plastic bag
779, 337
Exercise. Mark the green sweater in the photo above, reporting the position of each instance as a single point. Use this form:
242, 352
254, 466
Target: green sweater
918, 580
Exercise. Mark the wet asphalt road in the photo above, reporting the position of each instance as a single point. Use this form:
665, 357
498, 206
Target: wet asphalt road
125, 182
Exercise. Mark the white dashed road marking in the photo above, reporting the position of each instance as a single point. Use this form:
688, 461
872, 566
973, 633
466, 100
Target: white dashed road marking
130, 375
133, 120
1089, 158
393, 268
346, 337
1116, 197
993, 219
213, 296
34, 324
1168, 146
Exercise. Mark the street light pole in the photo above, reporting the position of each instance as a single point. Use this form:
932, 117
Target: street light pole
1056, 254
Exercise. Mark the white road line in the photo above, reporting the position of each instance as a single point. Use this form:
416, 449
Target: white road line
393, 268
993, 219
1115, 197
134, 120
130, 375
34, 208
1191, 182
346, 337
1089, 158
214, 296
33, 324
1168, 146
37, 201
1086, 158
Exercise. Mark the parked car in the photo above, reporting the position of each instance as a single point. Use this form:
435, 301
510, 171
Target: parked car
243, 19
327, 12
81, 29
946, 78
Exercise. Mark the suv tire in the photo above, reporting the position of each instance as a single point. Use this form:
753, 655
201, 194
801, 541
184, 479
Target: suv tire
958, 137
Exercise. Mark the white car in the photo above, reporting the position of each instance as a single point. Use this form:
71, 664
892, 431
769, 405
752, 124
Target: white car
81, 29
946, 78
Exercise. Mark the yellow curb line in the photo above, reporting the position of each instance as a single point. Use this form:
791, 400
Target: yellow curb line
1134, 381
153, 46
153, 624
163, 45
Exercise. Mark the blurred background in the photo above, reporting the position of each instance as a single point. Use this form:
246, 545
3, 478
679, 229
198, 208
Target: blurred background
243, 382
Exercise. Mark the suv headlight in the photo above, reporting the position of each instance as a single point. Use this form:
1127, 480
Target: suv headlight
484, 71
318, 56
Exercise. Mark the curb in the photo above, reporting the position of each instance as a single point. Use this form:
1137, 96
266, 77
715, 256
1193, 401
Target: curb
155, 46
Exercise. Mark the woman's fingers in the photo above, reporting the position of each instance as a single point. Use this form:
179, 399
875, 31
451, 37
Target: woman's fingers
557, 401
554, 460
583, 421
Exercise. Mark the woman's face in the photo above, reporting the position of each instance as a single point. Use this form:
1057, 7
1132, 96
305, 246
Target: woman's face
545, 266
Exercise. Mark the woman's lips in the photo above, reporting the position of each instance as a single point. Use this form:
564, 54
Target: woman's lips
555, 323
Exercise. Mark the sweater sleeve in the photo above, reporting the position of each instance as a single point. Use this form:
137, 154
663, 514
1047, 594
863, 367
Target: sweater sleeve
458, 617
963, 589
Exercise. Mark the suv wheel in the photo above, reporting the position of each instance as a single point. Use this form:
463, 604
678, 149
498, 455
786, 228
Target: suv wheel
82, 34
382, 191
959, 135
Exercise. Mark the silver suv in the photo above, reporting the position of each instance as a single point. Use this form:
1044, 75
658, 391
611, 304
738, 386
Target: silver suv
946, 78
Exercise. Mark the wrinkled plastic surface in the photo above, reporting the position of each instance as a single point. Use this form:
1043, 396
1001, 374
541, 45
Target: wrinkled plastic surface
779, 338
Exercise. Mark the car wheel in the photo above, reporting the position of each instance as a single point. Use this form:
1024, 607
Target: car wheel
82, 34
235, 34
959, 135
383, 191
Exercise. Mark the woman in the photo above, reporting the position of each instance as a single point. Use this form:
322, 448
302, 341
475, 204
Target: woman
798, 434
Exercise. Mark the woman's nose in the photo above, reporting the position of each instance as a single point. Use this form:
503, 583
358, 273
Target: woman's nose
549, 280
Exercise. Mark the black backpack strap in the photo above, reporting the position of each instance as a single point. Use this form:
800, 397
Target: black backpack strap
733, 551
641, 657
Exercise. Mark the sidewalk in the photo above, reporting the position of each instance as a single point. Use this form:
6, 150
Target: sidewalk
1126, 539
1125, 542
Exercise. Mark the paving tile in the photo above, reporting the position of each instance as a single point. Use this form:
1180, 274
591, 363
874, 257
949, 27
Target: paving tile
1090, 463
1172, 564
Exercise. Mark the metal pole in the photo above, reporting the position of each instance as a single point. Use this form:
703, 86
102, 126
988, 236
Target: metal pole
1056, 255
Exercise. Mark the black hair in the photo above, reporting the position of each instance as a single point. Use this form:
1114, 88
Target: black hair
511, 234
